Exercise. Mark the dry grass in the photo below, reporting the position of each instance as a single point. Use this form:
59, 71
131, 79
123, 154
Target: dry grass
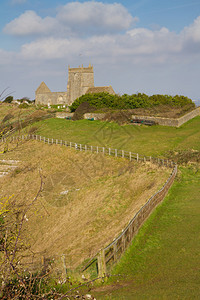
87, 198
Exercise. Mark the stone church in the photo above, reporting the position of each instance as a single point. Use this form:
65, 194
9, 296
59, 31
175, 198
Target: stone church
80, 82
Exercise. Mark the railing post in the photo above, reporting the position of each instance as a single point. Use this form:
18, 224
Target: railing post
115, 252
101, 264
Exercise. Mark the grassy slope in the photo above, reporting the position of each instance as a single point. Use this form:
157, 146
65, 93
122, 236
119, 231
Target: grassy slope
163, 261
153, 140
98, 188
16, 112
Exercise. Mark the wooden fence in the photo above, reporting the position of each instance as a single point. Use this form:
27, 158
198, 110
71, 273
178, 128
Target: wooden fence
111, 253
94, 149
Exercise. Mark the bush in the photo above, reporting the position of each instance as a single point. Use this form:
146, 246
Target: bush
8, 99
102, 100
23, 105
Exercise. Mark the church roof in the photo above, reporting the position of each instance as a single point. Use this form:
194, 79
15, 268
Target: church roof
43, 88
100, 89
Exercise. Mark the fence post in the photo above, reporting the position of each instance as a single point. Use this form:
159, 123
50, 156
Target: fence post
101, 264
91, 148
130, 156
64, 265
85, 147
137, 157
80, 147
103, 150
108, 151
48, 140
115, 252
97, 149
70, 144
123, 153
115, 152
52, 141
144, 158
40, 138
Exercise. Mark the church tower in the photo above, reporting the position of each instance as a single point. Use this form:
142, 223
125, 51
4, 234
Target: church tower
79, 81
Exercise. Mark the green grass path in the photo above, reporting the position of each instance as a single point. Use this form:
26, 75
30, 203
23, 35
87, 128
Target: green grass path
154, 140
163, 262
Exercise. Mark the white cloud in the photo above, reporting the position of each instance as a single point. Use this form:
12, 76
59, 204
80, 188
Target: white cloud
29, 23
74, 19
192, 32
95, 16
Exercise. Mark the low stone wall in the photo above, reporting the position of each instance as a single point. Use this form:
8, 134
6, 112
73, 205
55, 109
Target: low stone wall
96, 116
64, 114
157, 120
170, 121
189, 116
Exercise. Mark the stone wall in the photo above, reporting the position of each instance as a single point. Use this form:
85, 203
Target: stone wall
158, 120
189, 116
53, 98
170, 121
63, 115
95, 116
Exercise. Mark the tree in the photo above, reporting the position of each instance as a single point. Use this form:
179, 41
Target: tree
8, 99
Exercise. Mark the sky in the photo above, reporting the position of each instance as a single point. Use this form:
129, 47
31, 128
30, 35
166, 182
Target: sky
146, 46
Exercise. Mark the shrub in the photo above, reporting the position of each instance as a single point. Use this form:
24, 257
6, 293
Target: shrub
8, 99
23, 105
102, 100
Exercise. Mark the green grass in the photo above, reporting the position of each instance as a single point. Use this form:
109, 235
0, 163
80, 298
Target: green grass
154, 140
163, 260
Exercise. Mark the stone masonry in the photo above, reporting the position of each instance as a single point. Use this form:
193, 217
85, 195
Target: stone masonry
80, 82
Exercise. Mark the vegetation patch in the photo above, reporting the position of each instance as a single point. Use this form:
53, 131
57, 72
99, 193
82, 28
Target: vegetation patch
102, 100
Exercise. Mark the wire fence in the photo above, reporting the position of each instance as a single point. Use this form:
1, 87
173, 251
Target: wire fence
111, 253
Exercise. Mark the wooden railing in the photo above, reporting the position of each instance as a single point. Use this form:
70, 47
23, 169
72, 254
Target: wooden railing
94, 149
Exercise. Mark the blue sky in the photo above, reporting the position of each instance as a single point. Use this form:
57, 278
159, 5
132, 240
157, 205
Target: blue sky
145, 46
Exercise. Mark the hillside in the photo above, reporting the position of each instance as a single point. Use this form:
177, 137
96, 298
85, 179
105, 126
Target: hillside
155, 140
86, 201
